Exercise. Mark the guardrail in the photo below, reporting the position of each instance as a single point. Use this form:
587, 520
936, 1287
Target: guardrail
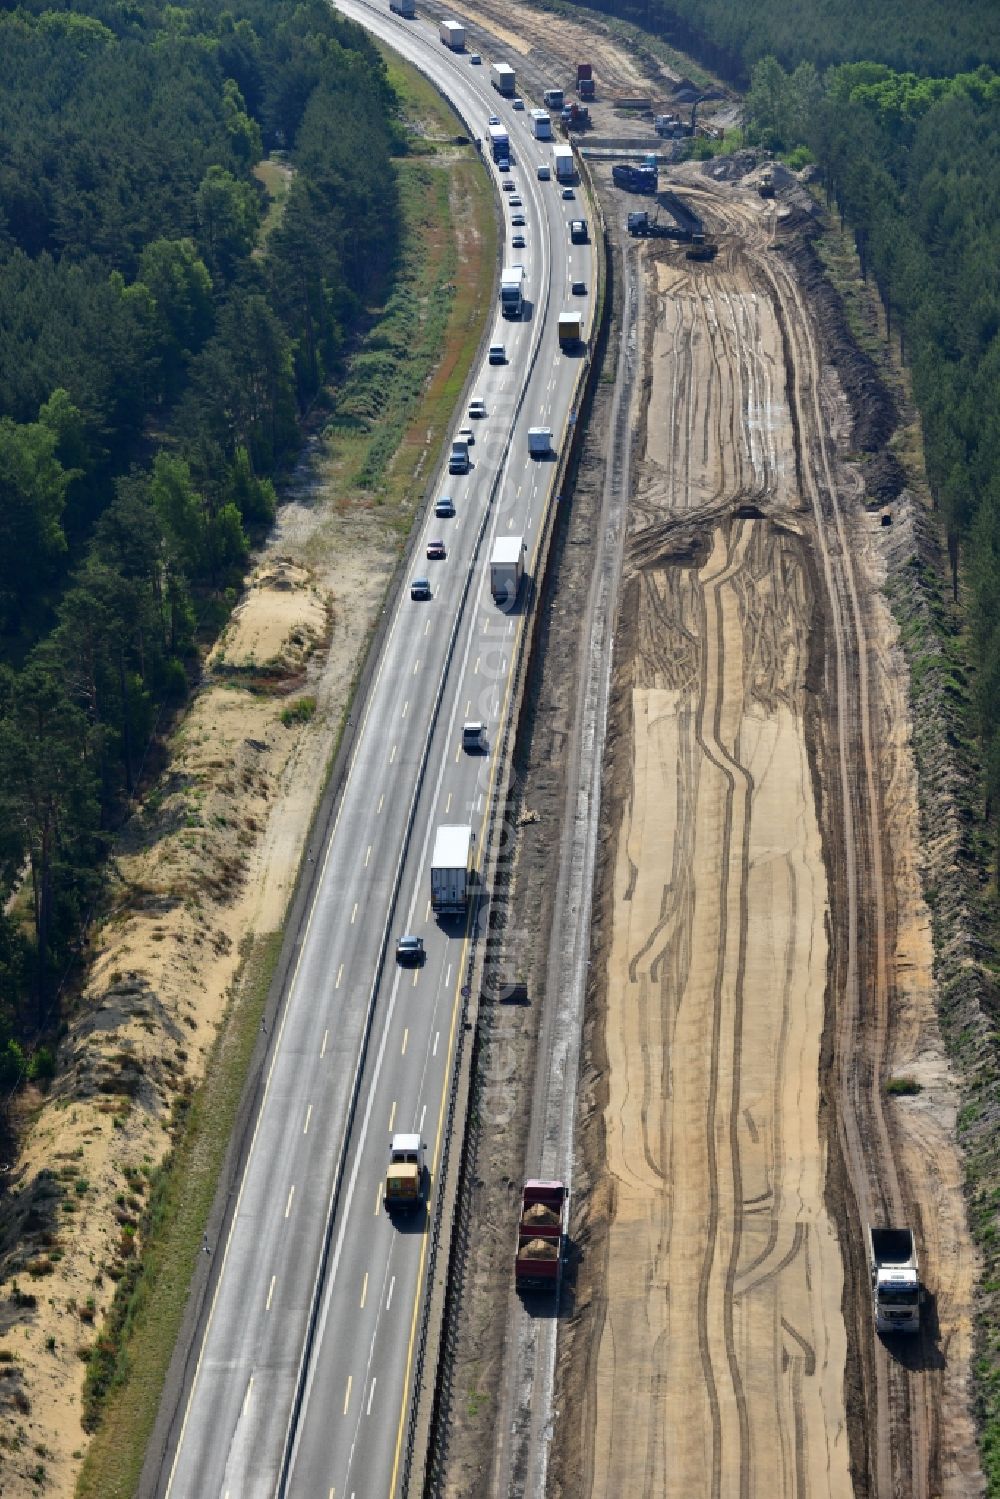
424, 1409
316, 1298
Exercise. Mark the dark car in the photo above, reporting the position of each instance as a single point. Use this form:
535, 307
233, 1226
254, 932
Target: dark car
445, 507
436, 551
410, 949
420, 588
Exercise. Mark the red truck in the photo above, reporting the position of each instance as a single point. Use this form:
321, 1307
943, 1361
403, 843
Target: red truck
585, 80
541, 1230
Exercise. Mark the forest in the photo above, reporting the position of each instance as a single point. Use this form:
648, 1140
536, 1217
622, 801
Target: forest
160, 344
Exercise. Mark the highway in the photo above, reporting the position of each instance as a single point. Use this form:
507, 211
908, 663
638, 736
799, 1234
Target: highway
304, 1370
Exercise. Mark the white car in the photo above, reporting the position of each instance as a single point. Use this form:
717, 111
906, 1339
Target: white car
477, 407
494, 120
475, 59
543, 173
466, 435
498, 354
517, 242
568, 192
518, 103
517, 221
515, 202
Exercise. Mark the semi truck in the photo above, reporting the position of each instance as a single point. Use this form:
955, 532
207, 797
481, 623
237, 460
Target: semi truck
541, 125
541, 1234
564, 163
405, 8
895, 1278
585, 80
512, 291
405, 1177
451, 870
499, 143
452, 34
507, 569
502, 78
570, 330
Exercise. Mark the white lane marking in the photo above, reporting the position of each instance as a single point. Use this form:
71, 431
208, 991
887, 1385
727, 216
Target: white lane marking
347, 1394
368, 855
475, 669
270, 1292
420, 1126
405, 706
447, 981
393, 755
416, 975
416, 667
388, 1299
468, 707
322, 1050
305, 1127
447, 805
378, 1200
364, 1290
371, 1396
392, 1116
437, 1037
340, 975
288, 1204
406, 1037
380, 801
427, 628
354, 913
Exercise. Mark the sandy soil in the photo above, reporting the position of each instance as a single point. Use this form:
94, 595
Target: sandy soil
716, 1357
210, 863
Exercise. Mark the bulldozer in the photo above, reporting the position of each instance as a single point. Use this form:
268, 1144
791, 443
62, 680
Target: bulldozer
766, 184
701, 248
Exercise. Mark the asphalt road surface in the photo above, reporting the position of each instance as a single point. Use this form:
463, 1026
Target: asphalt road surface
257, 1410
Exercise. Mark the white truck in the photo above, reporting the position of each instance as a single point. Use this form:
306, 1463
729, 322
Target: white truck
541, 125
512, 291
539, 442
502, 77
451, 870
570, 330
896, 1292
499, 143
507, 569
565, 166
452, 34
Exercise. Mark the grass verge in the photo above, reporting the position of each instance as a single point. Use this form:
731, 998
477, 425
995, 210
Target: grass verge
387, 419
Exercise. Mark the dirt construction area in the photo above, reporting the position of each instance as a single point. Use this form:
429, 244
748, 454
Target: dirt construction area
765, 956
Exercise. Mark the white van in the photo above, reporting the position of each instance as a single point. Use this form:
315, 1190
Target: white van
458, 463
543, 173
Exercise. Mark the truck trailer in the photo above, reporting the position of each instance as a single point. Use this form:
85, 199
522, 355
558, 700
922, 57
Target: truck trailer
895, 1278
541, 125
405, 1177
499, 143
541, 1234
452, 34
565, 165
503, 79
512, 291
507, 569
451, 870
570, 330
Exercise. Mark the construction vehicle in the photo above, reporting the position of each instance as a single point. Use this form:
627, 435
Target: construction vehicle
701, 248
766, 184
541, 1234
405, 1177
635, 179
642, 226
585, 80
575, 116
896, 1290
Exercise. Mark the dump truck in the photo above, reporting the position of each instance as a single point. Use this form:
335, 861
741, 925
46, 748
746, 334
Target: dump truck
452, 34
541, 125
564, 163
585, 80
541, 1234
570, 330
635, 179
405, 1177
553, 98
512, 291
701, 248
507, 569
502, 78
451, 870
896, 1291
